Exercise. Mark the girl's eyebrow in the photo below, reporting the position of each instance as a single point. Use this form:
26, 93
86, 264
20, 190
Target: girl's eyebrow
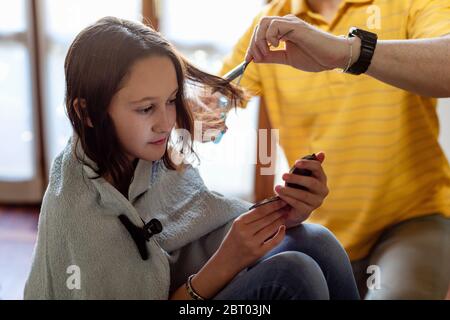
150, 98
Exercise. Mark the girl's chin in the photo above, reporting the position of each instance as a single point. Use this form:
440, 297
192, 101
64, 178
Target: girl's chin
152, 155
149, 153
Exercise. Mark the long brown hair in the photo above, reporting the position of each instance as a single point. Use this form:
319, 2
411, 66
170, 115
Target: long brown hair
96, 65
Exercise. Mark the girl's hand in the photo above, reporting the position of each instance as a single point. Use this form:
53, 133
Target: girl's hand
251, 236
302, 203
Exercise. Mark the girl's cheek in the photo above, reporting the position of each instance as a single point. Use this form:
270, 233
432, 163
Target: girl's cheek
174, 113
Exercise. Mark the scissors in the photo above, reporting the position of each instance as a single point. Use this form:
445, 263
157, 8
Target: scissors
223, 101
237, 72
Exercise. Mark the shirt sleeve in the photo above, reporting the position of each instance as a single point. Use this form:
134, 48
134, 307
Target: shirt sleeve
429, 19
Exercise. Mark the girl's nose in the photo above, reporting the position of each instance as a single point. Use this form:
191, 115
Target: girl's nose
162, 124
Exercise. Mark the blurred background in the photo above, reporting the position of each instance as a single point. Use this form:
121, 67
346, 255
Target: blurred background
34, 38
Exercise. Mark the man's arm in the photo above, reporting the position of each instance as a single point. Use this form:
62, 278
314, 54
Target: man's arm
420, 66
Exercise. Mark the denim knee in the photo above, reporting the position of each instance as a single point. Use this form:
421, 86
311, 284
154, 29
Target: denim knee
316, 235
324, 249
296, 273
317, 242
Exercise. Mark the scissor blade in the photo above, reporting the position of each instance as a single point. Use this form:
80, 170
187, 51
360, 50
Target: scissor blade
236, 72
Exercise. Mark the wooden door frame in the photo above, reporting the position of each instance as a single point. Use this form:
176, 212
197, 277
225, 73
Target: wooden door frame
150, 13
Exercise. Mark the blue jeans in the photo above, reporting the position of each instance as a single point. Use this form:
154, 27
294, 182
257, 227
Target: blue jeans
309, 264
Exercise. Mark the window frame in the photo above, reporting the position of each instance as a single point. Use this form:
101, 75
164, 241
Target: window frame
28, 191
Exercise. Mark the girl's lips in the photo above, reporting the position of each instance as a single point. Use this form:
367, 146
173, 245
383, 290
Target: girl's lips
159, 142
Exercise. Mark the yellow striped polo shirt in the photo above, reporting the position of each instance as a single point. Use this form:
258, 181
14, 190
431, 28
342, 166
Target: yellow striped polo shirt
383, 160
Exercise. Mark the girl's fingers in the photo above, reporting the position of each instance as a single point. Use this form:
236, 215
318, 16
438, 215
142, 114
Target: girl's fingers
311, 183
314, 166
297, 204
321, 156
267, 232
260, 224
275, 240
308, 198
262, 211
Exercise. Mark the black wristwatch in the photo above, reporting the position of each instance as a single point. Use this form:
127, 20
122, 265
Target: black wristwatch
368, 45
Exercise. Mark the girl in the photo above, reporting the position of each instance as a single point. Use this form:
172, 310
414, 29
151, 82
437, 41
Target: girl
121, 220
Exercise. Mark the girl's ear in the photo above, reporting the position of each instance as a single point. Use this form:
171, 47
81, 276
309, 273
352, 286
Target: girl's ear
80, 108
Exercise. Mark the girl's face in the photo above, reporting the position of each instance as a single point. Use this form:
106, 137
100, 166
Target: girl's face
144, 110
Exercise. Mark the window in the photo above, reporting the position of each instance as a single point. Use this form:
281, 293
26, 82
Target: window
17, 162
26, 127
64, 19
34, 38
205, 32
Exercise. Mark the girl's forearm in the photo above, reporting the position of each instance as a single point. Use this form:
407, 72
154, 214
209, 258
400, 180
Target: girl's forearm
211, 278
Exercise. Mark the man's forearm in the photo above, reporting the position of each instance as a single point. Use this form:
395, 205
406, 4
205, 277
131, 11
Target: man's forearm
419, 66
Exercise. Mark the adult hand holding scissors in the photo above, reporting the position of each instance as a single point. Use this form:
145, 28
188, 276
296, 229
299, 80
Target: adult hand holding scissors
307, 47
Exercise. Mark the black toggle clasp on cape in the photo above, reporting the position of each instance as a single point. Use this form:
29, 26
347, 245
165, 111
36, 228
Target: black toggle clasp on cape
141, 235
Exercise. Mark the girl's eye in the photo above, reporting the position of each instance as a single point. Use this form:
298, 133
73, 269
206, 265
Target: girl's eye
145, 110
172, 102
